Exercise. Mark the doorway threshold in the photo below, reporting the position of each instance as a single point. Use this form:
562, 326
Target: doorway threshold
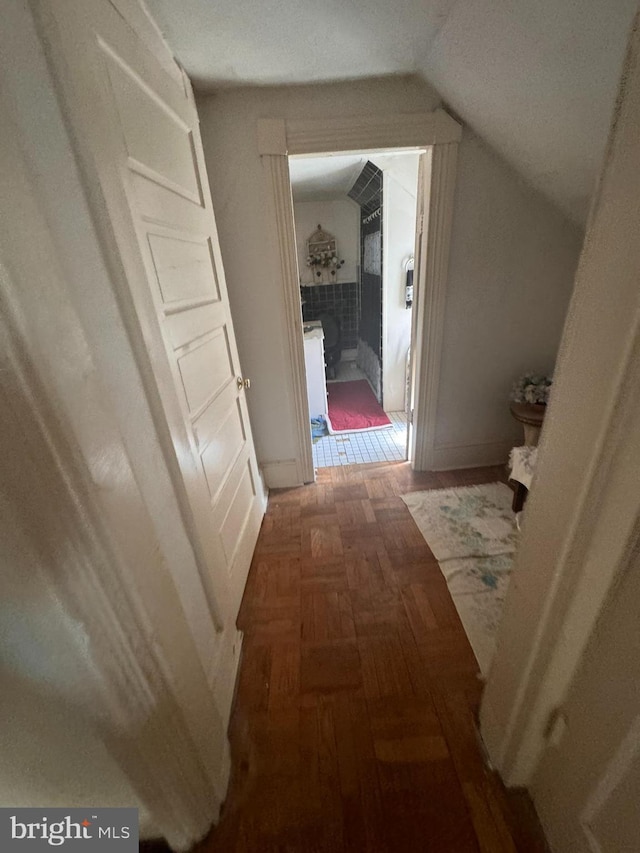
359, 448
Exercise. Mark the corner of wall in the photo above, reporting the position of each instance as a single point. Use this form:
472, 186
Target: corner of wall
282, 474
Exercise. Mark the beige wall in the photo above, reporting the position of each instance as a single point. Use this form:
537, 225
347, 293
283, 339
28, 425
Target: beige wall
513, 259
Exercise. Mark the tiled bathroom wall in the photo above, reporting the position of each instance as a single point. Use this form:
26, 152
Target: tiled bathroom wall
367, 192
339, 299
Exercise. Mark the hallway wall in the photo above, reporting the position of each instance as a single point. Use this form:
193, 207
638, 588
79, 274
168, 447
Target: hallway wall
511, 270
513, 257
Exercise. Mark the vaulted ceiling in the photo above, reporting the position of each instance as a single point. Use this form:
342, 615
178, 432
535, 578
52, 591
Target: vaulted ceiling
536, 79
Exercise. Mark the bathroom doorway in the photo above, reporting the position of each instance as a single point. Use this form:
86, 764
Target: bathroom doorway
438, 136
355, 224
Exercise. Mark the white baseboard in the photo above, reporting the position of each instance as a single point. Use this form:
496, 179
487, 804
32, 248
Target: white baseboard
452, 457
282, 474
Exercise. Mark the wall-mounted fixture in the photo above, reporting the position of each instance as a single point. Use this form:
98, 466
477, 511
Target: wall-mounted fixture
408, 265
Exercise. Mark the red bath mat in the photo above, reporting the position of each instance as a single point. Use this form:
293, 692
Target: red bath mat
353, 408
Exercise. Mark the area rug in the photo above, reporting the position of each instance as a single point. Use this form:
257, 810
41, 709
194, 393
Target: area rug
353, 408
472, 533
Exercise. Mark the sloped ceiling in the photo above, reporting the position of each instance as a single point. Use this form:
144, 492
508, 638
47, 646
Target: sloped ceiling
324, 178
331, 176
537, 80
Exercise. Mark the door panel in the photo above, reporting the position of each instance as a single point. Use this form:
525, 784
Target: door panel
140, 128
157, 201
235, 518
189, 324
205, 368
184, 268
155, 137
223, 447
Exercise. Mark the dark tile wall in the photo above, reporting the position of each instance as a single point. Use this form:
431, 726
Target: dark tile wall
367, 189
371, 294
340, 300
367, 192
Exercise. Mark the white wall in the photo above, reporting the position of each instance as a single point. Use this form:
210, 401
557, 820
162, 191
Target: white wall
513, 257
400, 180
340, 218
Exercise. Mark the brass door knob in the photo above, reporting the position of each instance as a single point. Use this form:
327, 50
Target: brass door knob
243, 383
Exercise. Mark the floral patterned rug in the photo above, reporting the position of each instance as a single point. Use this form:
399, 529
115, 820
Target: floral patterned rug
472, 534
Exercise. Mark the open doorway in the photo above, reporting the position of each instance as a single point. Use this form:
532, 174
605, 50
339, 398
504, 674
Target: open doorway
435, 133
355, 221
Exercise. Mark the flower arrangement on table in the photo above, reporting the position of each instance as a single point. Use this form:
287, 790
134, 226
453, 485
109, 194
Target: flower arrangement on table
533, 388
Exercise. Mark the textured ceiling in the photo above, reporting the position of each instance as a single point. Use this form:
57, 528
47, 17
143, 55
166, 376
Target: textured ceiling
537, 80
248, 42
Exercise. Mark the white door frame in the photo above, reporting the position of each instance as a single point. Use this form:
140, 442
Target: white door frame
277, 139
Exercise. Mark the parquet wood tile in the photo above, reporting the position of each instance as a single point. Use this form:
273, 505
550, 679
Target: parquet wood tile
329, 666
354, 727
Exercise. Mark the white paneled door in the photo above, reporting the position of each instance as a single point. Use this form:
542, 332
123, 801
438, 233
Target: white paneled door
133, 114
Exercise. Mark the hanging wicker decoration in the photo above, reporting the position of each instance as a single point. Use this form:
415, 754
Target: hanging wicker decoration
322, 257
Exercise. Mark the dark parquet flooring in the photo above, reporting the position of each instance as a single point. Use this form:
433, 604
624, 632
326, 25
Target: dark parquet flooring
354, 722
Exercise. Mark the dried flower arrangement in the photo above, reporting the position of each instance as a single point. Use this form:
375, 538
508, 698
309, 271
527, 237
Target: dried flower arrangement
322, 255
324, 259
532, 388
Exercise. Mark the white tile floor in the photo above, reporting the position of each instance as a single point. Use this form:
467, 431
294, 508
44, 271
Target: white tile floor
356, 448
